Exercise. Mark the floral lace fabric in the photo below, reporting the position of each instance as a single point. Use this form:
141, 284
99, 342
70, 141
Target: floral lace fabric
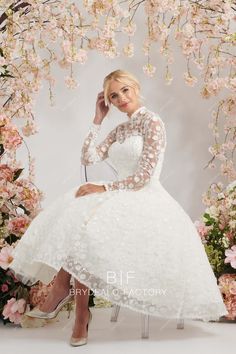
133, 244
143, 123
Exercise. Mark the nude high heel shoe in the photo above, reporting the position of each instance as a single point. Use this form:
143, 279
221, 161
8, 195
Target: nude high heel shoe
75, 342
35, 312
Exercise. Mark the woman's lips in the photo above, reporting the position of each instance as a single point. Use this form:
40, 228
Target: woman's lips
125, 104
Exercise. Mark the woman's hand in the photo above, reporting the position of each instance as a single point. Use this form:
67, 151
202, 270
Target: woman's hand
88, 189
101, 109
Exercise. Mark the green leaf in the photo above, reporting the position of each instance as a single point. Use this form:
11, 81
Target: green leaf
17, 173
1, 149
27, 212
11, 239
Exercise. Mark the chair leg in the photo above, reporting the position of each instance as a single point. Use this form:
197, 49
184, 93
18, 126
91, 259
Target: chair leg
180, 323
115, 313
145, 325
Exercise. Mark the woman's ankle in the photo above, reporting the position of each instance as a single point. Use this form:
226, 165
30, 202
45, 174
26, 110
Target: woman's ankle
61, 288
53, 298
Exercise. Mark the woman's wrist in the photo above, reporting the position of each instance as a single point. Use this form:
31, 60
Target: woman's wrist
97, 121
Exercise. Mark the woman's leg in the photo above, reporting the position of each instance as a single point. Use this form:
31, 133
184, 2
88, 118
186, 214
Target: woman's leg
59, 291
81, 312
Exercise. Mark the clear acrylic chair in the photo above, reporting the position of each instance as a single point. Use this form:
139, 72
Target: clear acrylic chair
144, 321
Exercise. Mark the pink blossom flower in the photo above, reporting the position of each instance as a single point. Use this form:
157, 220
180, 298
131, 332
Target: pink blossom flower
229, 106
64, 64
214, 86
14, 310
130, 28
11, 137
128, 50
6, 173
29, 37
149, 69
70, 82
82, 56
188, 30
189, 45
202, 229
229, 235
231, 256
4, 120
19, 224
189, 79
27, 195
29, 129
7, 189
6, 257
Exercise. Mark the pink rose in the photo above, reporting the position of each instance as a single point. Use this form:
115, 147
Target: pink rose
231, 256
14, 310
230, 303
19, 224
6, 257
39, 292
227, 284
4, 288
232, 288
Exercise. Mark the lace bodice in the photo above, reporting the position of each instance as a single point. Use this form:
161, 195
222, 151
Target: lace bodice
135, 148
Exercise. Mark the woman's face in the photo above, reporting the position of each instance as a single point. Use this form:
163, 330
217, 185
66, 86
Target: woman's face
123, 97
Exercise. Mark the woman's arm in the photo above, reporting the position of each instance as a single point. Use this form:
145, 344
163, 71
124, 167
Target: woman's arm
91, 153
154, 142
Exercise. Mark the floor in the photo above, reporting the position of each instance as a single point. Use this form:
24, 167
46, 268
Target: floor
123, 336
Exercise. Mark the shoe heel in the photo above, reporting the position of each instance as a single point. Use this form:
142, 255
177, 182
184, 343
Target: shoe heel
76, 342
90, 317
69, 308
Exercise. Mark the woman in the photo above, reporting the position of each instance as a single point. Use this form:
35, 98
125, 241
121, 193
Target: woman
128, 240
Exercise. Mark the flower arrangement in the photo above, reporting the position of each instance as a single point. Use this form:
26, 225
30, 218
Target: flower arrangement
217, 230
227, 285
19, 204
16, 298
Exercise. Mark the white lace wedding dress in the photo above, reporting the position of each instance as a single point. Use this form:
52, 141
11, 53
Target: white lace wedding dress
132, 244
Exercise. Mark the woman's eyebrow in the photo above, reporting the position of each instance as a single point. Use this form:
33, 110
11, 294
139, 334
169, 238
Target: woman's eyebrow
115, 92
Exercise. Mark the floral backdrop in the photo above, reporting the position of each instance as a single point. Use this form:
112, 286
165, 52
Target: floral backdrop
31, 33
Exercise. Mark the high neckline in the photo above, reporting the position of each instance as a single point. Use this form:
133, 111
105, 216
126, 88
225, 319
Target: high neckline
135, 113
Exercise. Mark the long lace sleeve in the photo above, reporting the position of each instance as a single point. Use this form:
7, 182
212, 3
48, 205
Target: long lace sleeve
90, 153
154, 140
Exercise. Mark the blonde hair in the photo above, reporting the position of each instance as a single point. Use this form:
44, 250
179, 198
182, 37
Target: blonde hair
124, 77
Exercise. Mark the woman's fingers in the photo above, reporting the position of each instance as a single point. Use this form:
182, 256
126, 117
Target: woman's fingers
101, 95
82, 191
87, 189
101, 98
